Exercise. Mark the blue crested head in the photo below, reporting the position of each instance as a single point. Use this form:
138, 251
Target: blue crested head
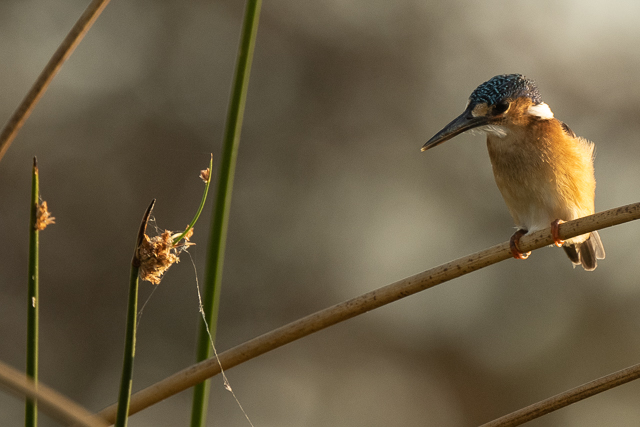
492, 107
505, 86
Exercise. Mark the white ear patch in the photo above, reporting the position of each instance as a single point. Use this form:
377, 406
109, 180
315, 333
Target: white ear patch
541, 110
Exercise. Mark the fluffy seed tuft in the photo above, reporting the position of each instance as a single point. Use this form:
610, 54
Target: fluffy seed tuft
157, 254
205, 175
43, 217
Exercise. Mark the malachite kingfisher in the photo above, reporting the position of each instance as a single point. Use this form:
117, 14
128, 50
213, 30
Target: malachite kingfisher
543, 170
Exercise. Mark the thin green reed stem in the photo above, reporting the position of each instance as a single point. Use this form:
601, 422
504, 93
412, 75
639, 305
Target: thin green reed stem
220, 220
31, 408
202, 202
126, 380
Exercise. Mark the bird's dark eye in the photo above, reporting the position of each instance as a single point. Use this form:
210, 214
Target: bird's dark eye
501, 108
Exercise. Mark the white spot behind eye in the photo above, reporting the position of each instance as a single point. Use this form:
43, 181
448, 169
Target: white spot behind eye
541, 110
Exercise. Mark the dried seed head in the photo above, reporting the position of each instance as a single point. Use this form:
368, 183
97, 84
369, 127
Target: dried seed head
157, 254
205, 175
43, 217
188, 236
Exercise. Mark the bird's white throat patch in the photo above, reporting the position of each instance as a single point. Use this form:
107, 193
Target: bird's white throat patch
499, 131
541, 110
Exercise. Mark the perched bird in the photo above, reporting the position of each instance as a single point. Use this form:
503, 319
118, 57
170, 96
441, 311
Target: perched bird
543, 170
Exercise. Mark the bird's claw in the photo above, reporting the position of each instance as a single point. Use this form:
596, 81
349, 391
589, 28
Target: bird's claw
555, 232
513, 245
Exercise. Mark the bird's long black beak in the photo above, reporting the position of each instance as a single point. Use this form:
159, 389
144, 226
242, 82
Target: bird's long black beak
464, 122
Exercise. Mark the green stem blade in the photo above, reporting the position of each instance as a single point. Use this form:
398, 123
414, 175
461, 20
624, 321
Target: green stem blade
217, 240
126, 380
202, 202
31, 409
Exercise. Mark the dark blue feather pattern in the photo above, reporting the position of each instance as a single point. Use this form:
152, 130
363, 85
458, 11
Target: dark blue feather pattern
503, 87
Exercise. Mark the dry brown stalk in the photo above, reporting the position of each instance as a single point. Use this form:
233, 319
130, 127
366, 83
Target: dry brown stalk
56, 405
340, 312
38, 89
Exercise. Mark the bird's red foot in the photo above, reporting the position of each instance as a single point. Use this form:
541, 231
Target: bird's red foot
555, 232
513, 244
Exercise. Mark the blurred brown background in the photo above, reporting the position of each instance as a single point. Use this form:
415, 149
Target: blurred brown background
332, 199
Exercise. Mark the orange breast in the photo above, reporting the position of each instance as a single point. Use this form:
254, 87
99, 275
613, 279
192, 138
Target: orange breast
543, 173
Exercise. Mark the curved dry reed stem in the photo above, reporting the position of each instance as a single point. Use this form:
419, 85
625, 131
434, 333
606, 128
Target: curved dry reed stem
53, 403
561, 400
338, 313
65, 50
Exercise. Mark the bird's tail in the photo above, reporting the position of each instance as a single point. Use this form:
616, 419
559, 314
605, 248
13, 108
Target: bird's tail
586, 253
